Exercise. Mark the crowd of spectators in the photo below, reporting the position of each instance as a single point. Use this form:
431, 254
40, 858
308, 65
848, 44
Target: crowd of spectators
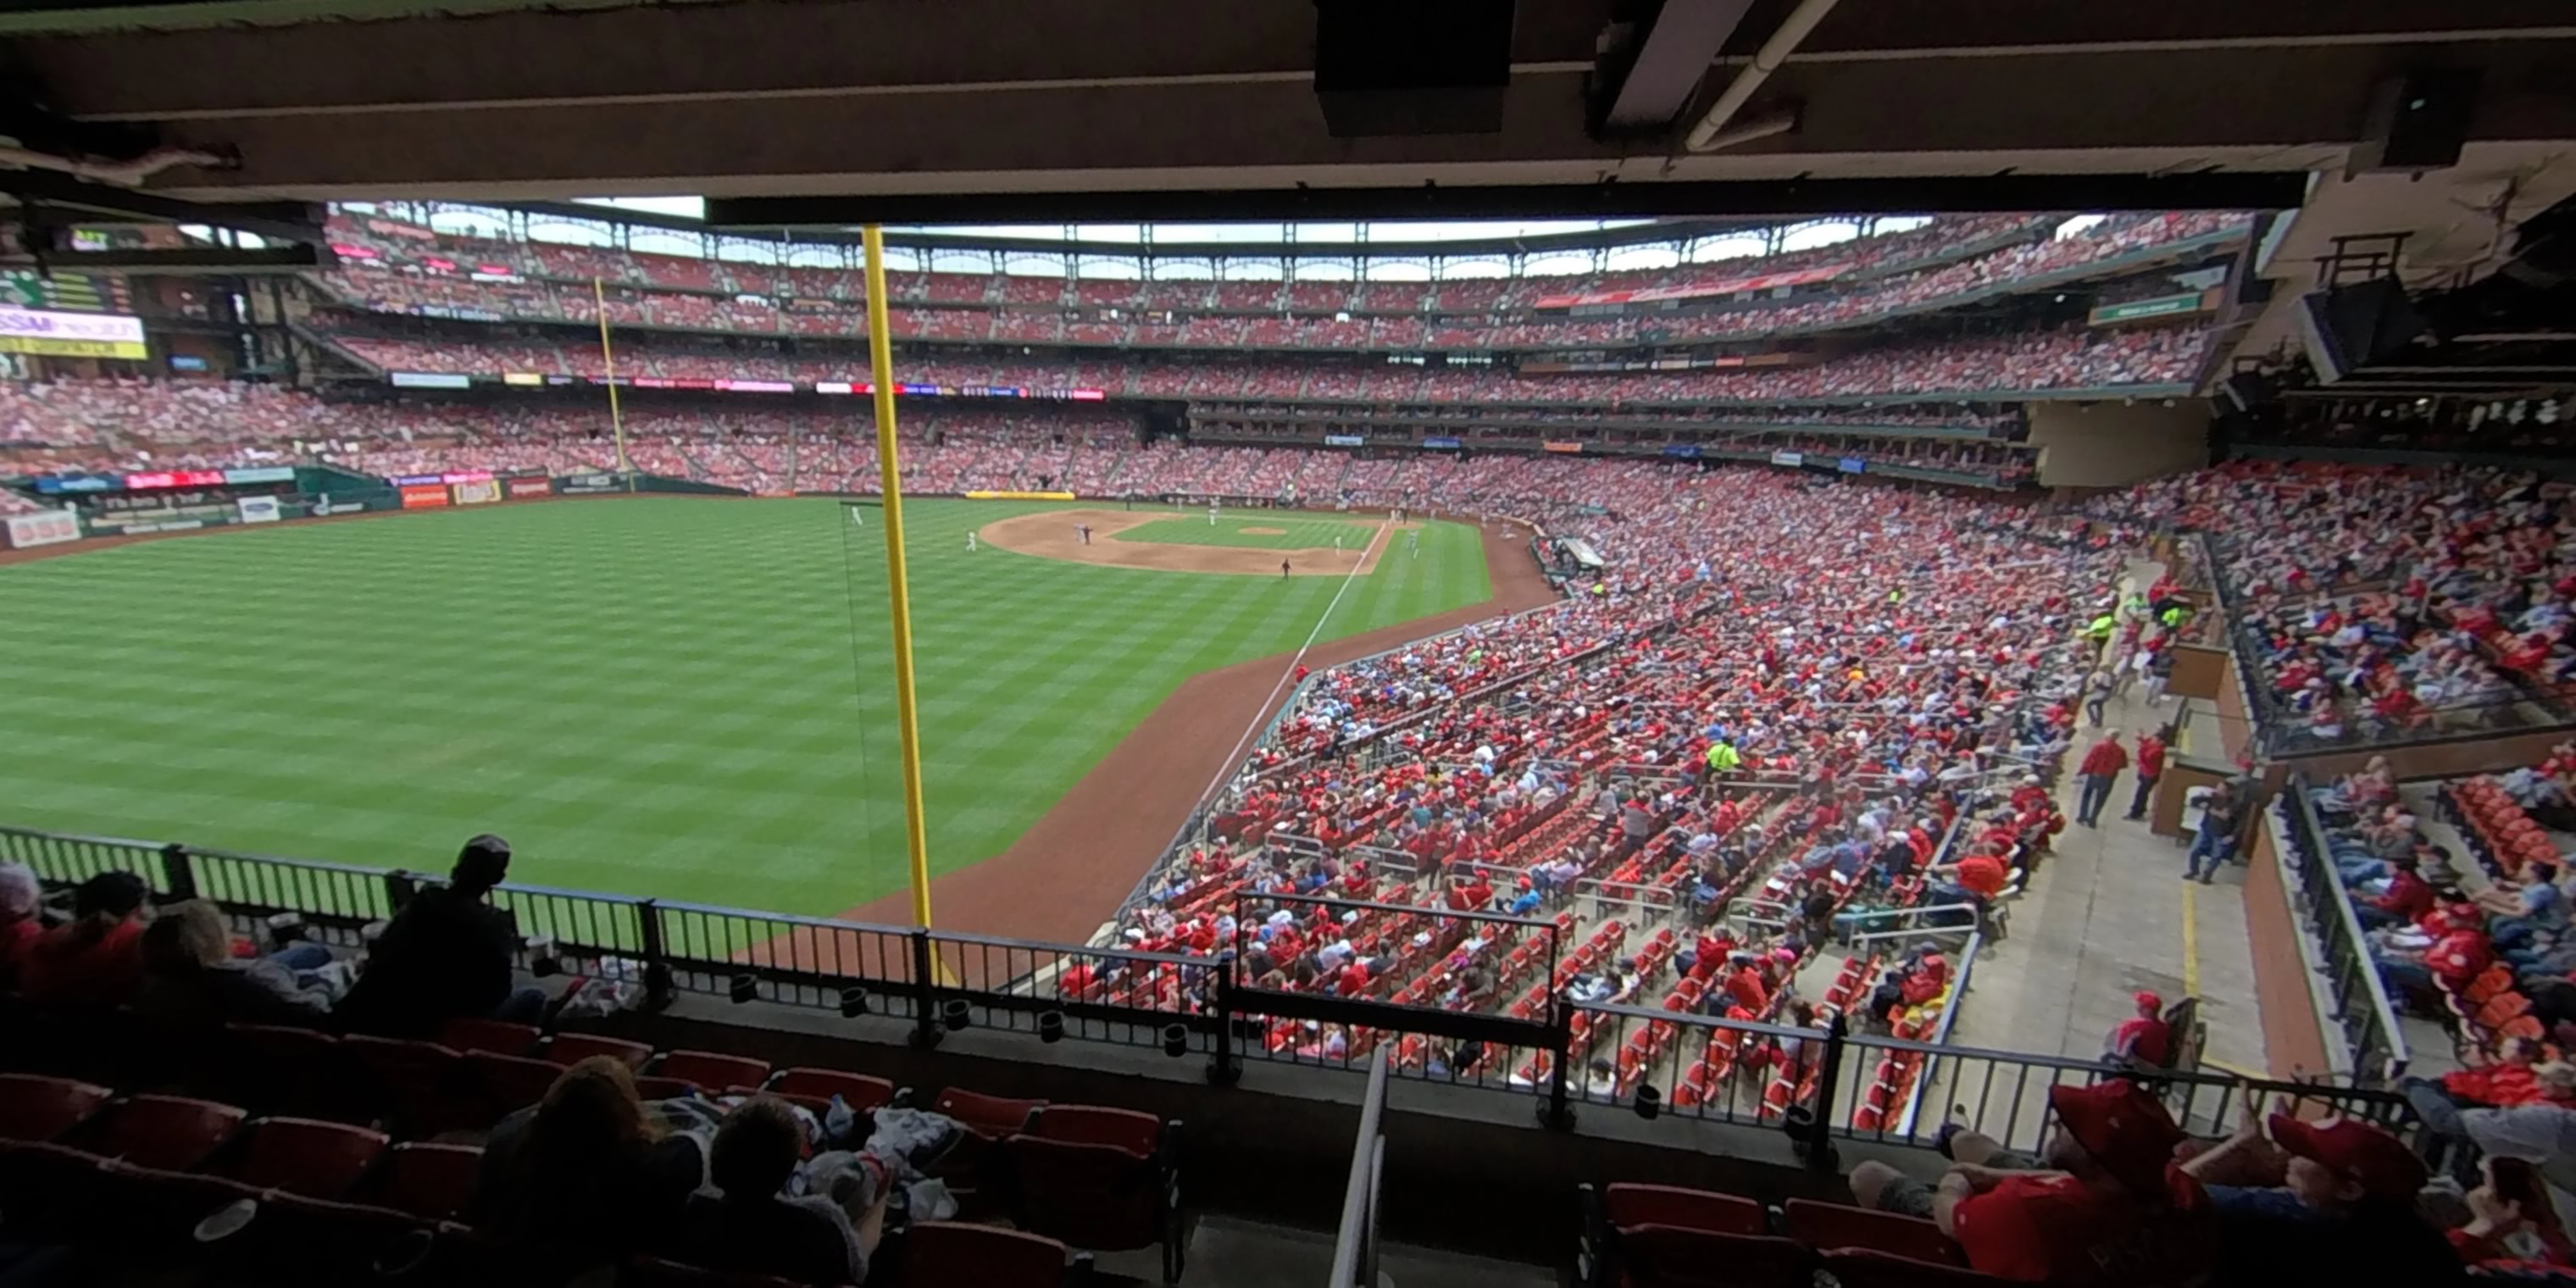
1262, 314
481, 263
2068, 359
2379, 600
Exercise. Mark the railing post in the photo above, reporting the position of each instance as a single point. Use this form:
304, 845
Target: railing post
399, 887
659, 987
1223, 1070
925, 992
1557, 1114
1820, 1147
177, 872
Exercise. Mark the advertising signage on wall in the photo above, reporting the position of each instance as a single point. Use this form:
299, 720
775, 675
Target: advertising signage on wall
71, 335
428, 380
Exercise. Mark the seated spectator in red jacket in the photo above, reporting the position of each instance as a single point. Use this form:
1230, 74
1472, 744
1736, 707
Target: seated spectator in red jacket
97, 957
20, 896
2104, 1207
2143, 1038
2406, 898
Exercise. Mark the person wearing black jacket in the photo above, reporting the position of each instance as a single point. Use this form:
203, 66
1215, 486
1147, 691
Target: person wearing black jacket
447, 955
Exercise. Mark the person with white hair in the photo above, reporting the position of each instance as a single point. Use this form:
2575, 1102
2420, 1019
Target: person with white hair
20, 897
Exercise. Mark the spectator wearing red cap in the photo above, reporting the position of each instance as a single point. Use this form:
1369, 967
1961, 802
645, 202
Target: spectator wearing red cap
2101, 764
2512, 1219
2143, 1039
2109, 1211
2151, 766
2343, 1211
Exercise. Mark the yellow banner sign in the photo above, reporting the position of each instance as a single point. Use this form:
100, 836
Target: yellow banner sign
1019, 496
132, 350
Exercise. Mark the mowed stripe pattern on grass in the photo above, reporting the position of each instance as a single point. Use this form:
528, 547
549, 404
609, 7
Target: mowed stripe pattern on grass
677, 697
1294, 532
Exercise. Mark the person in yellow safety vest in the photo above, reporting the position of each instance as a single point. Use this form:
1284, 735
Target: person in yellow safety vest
2134, 606
2102, 627
1896, 596
1723, 758
2175, 616
1600, 590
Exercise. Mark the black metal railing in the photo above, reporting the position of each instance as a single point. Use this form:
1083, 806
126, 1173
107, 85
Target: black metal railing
1355, 1242
2362, 1010
940, 982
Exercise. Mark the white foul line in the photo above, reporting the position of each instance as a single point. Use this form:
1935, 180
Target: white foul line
1233, 758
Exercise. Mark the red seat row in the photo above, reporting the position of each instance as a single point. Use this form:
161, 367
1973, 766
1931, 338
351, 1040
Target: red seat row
1662, 1236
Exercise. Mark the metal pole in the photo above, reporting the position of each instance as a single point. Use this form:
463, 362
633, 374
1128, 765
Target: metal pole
608, 363
898, 588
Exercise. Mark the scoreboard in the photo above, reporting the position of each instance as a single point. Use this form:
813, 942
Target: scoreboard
66, 292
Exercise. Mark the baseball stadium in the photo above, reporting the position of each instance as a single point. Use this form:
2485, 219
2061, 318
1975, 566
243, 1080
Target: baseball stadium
1016, 698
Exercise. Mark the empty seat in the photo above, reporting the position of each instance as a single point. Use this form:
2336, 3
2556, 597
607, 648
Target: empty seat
499, 1037
512, 1082
1664, 1256
1869, 1268
320, 1160
711, 1072
34, 1107
171, 1133
283, 1069
428, 1180
989, 1116
1830, 1227
1126, 1129
946, 1253
424, 1086
1629, 1205
655, 1272
1092, 1196
569, 1049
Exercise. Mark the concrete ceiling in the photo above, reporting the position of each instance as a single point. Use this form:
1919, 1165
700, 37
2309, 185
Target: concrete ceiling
369, 98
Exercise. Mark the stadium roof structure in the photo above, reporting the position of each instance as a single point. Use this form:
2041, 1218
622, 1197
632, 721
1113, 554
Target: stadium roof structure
1021, 111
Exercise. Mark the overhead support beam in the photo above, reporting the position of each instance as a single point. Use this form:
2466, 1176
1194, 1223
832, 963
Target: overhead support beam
289, 221
210, 261
2252, 190
1652, 65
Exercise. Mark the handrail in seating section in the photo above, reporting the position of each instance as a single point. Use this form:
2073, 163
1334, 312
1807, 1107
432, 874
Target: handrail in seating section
1181, 1004
2362, 1008
1355, 1242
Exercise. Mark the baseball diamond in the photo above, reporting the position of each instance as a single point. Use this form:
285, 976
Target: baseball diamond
654, 696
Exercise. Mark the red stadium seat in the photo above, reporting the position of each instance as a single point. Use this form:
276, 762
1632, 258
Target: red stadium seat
428, 1180
511, 1082
1868, 1268
1094, 1197
943, 1254
282, 1069
37, 1108
1629, 1204
1664, 1256
568, 1049
711, 1072
170, 1133
989, 1116
1137, 1133
500, 1037
814, 1088
319, 1160
1831, 1227
427, 1086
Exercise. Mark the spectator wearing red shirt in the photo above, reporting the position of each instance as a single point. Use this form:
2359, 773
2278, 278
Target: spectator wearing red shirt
2109, 1210
97, 957
1744, 987
2406, 898
2101, 765
2151, 766
2144, 1038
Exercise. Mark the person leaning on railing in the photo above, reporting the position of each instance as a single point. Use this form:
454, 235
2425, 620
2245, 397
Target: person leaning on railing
446, 955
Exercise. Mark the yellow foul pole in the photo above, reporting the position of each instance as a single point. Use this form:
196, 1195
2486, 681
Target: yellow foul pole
608, 360
907, 716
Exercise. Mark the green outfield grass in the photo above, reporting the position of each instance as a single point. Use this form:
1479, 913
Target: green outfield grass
1296, 532
679, 697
